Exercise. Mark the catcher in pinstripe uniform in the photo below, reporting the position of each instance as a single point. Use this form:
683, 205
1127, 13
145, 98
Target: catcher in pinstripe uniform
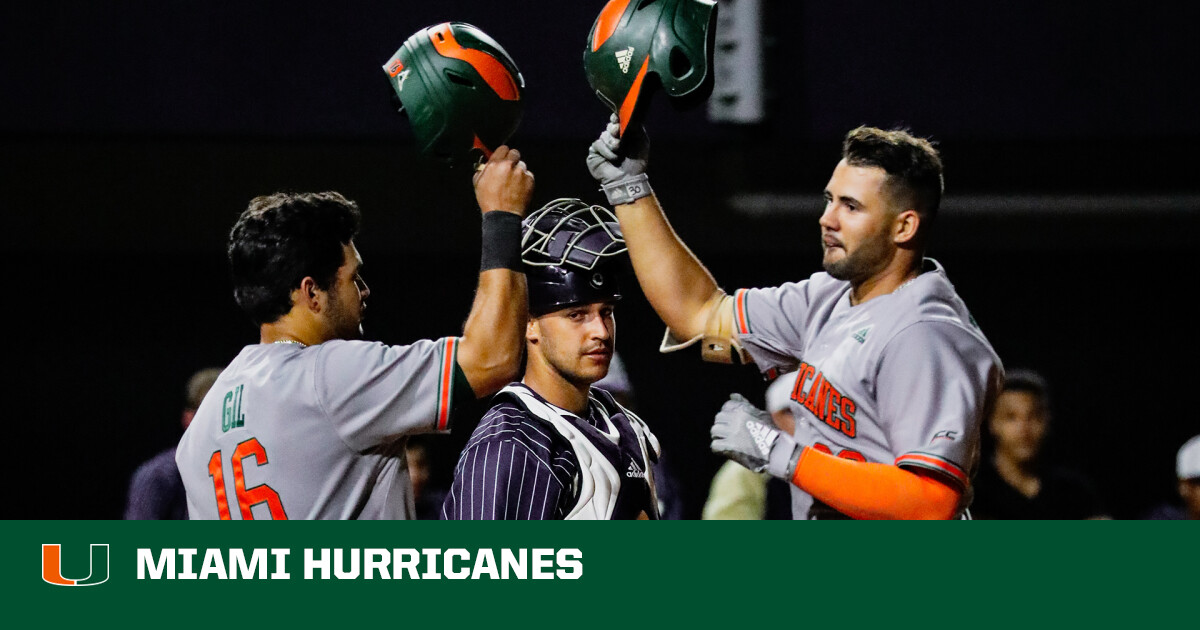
552, 446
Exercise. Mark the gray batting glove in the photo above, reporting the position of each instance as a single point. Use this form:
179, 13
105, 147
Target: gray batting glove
619, 164
745, 434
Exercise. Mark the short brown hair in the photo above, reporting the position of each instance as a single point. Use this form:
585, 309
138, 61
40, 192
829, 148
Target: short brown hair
909, 161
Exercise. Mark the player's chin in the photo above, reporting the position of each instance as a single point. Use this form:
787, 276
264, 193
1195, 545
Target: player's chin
836, 266
595, 366
830, 255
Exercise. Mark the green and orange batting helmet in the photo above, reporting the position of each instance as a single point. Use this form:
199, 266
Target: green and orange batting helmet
636, 44
460, 90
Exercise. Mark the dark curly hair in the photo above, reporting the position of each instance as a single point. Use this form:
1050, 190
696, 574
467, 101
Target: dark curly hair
911, 162
282, 238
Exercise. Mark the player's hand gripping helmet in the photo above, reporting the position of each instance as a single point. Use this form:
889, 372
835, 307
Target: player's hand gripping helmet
637, 43
460, 90
573, 254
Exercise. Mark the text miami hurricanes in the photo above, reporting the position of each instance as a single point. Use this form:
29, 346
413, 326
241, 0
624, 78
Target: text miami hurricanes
824, 400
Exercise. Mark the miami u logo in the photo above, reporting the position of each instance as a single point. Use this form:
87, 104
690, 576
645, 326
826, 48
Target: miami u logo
52, 567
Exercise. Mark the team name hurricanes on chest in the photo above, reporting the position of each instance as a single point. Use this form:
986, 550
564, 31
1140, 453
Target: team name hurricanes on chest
824, 400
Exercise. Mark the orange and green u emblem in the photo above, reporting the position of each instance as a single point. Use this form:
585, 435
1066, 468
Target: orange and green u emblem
52, 566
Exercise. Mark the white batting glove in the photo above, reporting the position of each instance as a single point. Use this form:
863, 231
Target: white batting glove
619, 164
745, 434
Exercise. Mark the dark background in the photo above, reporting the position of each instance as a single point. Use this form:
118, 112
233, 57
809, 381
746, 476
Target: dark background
132, 135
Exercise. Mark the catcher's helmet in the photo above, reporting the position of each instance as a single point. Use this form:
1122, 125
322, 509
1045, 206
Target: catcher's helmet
668, 41
573, 254
460, 90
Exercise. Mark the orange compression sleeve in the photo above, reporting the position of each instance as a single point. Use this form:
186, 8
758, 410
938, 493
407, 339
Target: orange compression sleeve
873, 491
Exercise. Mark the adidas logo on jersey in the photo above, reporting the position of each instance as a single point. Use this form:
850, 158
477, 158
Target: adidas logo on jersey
763, 436
635, 471
623, 58
861, 336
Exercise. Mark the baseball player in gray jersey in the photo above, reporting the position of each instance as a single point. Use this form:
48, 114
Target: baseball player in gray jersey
310, 423
894, 376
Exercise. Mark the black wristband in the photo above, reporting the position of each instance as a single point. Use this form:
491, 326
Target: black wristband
501, 241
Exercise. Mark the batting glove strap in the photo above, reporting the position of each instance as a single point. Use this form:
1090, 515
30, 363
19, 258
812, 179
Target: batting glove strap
785, 455
627, 190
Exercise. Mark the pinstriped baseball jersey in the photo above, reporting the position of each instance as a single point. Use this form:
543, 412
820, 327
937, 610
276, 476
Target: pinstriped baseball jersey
903, 379
530, 460
317, 432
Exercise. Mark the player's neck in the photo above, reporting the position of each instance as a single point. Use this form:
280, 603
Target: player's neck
900, 271
293, 327
555, 388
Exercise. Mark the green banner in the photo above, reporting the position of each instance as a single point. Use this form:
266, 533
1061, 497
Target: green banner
609, 574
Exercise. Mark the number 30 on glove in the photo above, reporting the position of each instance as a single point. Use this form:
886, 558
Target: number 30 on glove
619, 164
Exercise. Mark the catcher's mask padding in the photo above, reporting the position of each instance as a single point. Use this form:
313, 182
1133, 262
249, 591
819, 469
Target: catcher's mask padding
574, 253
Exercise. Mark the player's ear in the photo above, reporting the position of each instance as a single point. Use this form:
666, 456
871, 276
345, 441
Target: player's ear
532, 332
308, 294
905, 226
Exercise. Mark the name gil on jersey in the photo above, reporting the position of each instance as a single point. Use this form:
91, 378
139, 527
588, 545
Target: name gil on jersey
231, 410
824, 400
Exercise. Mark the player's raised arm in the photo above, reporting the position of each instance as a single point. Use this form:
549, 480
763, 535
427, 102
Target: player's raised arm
678, 286
489, 352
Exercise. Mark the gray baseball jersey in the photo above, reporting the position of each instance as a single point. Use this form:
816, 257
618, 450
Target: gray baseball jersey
316, 432
905, 378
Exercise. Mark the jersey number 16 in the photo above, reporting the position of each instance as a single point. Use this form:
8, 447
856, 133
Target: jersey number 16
246, 497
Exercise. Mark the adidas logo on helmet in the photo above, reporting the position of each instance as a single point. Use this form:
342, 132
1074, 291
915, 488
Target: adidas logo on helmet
623, 58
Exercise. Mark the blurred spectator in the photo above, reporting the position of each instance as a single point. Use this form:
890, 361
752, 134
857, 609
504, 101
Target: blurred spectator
427, 495
1187, 470
156, 489
739, 494
1015, 483
670, 499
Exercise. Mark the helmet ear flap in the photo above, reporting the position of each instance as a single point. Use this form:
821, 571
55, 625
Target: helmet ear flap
686, 66
679, 64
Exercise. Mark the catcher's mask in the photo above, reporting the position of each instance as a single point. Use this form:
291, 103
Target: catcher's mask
636, 44
459, 89
574, 254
